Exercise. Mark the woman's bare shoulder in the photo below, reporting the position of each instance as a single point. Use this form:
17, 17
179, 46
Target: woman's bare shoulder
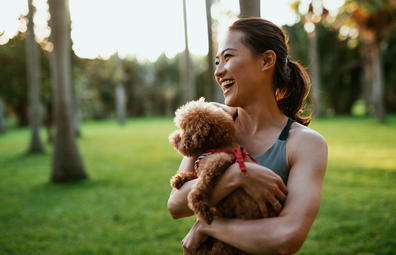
302, 134
305, 145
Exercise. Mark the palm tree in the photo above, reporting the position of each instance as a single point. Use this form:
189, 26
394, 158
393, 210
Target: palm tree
249, 8
375, 21
2, 120
314, 56
211, 83
119, 91
66, 161
212, 89
33, 69
186, 68
313, 16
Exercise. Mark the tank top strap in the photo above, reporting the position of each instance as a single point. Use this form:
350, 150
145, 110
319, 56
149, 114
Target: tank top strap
235, 115
285, 131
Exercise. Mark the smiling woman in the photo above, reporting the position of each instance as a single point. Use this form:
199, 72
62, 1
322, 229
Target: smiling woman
268, 89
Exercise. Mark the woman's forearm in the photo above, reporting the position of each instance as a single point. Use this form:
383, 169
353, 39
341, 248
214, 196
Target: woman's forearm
262, 236
177, 203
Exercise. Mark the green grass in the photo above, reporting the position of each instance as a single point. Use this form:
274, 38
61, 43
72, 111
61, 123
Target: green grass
121, 208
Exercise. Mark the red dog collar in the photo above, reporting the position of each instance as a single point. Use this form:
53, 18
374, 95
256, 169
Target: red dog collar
239, 153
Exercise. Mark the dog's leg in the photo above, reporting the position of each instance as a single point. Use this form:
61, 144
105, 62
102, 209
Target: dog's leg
180, 178
211, 168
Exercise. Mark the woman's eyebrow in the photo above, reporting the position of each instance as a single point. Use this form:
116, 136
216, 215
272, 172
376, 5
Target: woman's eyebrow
221, 53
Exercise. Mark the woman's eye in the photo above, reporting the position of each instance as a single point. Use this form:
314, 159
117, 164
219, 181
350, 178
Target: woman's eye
217, 63
226, 56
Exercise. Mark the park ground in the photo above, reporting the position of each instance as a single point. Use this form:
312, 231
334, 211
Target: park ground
121, 208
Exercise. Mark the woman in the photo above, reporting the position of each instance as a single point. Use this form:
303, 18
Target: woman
267, 89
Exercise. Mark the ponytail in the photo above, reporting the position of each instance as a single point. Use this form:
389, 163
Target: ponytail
292, 92
291, 81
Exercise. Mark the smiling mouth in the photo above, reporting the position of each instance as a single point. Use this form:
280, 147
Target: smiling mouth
227, 84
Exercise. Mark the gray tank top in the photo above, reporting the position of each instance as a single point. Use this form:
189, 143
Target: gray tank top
275, 157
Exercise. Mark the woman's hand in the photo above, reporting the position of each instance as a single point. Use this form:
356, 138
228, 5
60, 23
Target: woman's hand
194, 239
263, 185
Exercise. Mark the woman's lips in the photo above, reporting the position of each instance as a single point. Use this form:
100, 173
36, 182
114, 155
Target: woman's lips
227, 85
227, 89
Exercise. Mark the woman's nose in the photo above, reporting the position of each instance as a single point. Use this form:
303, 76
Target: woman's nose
219, 71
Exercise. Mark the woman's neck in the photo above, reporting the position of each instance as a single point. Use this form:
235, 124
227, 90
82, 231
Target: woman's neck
260, 115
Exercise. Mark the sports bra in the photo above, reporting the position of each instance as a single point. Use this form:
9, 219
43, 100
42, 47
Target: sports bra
275, 157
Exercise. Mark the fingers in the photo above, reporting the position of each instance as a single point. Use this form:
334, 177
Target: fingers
277, 206
264, 209
283, 188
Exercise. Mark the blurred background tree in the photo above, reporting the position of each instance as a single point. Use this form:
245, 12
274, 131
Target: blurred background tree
374, 20
34, 86
66, 160
249, 8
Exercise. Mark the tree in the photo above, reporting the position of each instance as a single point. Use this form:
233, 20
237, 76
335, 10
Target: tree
313, 16
186, 68
33, 69
249, 8
66, 161
120, 95
375, 20
210, 85
2, 120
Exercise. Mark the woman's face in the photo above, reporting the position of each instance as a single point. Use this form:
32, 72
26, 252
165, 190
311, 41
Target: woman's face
238, 72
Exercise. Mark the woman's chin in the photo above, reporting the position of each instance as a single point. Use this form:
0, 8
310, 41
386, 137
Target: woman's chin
229, 102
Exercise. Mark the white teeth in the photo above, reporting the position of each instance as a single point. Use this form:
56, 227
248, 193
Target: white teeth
225, 83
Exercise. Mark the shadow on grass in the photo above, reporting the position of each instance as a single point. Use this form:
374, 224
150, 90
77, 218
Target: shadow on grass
27, 156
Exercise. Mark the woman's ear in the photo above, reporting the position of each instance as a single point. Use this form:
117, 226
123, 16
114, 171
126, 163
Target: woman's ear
269, 60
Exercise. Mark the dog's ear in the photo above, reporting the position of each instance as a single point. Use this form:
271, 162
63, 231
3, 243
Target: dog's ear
176, 140
195, 135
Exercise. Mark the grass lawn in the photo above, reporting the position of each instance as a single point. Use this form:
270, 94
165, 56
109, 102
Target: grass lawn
121, 208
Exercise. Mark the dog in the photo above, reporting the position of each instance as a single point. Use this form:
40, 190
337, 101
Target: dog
207, 133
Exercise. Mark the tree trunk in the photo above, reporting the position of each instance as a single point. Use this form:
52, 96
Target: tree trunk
2, 117
33, 69
77, 114
315, 74
187, 75
210, 85
54, 77
374, 86
66, 161
249, 8
120, 95
378, 84
367, 76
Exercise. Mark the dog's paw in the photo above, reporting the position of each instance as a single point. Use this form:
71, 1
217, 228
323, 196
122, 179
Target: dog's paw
177, 181
207, 214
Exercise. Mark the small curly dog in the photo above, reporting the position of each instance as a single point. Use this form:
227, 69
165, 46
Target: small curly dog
207, 133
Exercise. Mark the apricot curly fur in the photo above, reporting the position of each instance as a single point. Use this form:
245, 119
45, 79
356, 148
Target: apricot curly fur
203, 126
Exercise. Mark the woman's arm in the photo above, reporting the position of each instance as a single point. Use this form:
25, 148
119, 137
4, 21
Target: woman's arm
263, 185
284, 234
177, 202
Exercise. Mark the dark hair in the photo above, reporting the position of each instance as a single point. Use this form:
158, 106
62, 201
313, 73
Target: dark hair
291, 81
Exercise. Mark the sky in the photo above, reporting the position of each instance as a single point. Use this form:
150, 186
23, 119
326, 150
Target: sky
144, 29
